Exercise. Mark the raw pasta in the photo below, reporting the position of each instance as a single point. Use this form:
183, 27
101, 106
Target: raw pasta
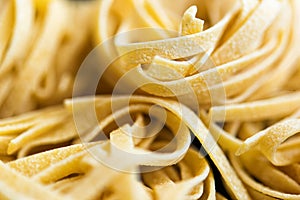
40, 51
245, 74
225, 73
181, 171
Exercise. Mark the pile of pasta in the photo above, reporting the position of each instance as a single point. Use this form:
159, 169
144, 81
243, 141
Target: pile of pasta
40, 51
241, 63
248, 49
225, 73
139, 156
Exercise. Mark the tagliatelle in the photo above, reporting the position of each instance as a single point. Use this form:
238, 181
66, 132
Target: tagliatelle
266, 154
40, 39
246, 76
240, 81
271, 108
15, 186
225, 73
177, 166
269, 140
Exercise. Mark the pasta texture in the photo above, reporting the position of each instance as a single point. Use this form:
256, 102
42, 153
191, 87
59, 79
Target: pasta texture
175, 169
248, 49
239, 59
40, 51
210, 104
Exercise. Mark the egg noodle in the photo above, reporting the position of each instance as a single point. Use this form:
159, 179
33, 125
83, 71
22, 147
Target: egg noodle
40, 38
239, 58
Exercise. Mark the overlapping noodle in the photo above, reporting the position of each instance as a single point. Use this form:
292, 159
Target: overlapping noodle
264, 153
129, 134
42, 44
239, 58
247, 49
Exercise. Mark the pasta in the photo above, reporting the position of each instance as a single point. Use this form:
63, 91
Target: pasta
245, 74
179, 167
26, 29
221, 73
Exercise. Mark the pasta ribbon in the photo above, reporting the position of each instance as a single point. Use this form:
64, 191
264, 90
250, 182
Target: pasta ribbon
158, 146
34, 36
237, 53
211, 98
245, 77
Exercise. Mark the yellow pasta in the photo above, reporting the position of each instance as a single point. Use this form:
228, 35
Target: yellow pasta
246, 77
184, 169
15, 186
243, 75
49, 167
41, 39
224, 74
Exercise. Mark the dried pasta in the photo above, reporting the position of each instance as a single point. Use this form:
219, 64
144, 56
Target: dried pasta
179, 167
246, 76
246, 72
40, 38
225, 73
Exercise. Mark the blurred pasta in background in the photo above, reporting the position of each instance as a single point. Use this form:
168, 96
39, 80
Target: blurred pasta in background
42, 44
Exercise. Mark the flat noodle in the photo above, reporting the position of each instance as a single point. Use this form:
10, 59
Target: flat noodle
268, 142
256, 189
25, 50
6, 23
255, 59
261, 169
52, 166
16, 186
33, 164
165, 188
19, 43
238, 58
271, 108
226, 140
57, 171
195, 125
172, 48
252, 30
26, 131
251, 14
66, 133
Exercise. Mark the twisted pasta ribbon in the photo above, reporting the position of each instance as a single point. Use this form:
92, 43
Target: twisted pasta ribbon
256, 45
127, 146
239, 58
246, 73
